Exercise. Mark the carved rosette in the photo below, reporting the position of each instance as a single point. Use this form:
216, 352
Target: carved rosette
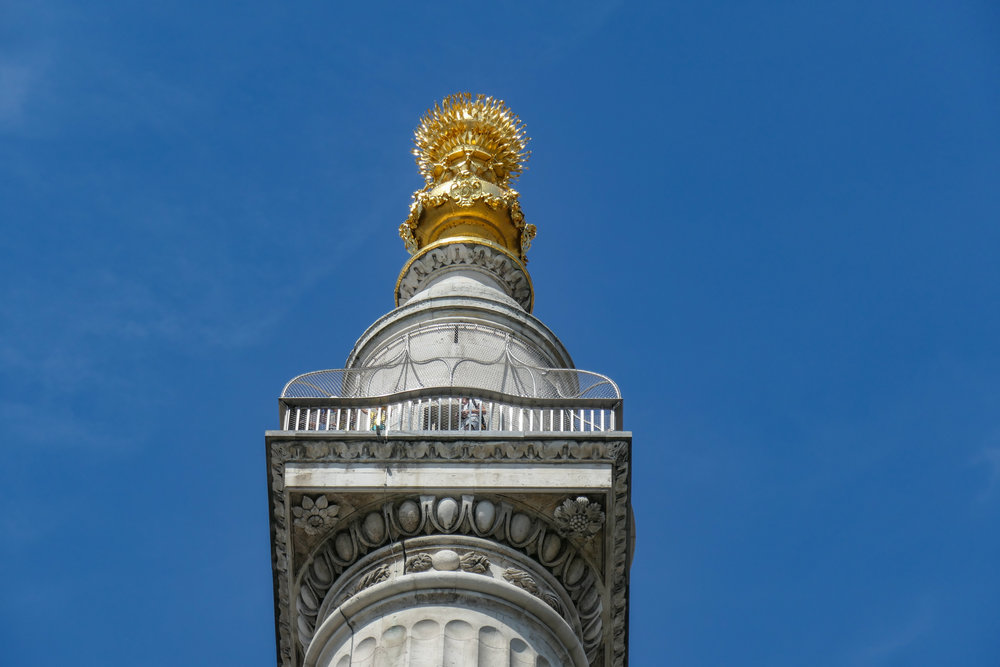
579, 518
314, 515
499, 264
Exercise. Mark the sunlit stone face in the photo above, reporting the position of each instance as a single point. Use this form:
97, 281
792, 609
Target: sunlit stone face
456, 354
471, 631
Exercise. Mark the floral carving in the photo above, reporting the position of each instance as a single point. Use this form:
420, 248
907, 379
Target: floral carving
470, 562
376, 576
315, 515
521, 579
475, 563
418, 563
579, 518
507, 271
525, 581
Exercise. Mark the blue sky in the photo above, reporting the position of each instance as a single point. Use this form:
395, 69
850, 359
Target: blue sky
774, 224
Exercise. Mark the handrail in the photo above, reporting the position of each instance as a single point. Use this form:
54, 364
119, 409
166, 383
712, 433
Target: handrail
456, 392
449, 409
560, 383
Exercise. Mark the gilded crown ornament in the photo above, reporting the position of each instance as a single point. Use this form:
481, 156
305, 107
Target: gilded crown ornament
469, 149
462, 129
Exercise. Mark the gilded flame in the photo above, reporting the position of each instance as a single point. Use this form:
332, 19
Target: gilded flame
464, 129
469, 149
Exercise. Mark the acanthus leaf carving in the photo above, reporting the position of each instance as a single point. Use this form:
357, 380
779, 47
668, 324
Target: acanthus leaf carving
521, 579
418, 563
378, 575
475, 562
509, 272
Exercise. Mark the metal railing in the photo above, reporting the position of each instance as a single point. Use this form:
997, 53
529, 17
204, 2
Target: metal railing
450, 409
515, 380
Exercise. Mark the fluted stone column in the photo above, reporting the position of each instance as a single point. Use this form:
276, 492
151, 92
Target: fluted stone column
444, 618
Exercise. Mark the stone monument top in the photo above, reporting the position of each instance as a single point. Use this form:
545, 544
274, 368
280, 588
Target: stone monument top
458, 493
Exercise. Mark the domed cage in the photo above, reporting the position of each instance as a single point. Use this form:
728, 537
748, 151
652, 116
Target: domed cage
494, 392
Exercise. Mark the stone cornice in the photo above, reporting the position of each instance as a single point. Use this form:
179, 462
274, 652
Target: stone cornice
474, 449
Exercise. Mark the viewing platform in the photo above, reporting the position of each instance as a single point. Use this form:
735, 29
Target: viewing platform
523, 400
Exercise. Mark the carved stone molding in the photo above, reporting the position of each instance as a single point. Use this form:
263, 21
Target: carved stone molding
446, 560
462, 619
421, 562
456, 450
476, 563
375, 576
400, 519
507, 271
432, 515
525, 581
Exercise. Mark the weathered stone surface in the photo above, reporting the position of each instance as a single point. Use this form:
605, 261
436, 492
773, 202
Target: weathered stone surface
409, 517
